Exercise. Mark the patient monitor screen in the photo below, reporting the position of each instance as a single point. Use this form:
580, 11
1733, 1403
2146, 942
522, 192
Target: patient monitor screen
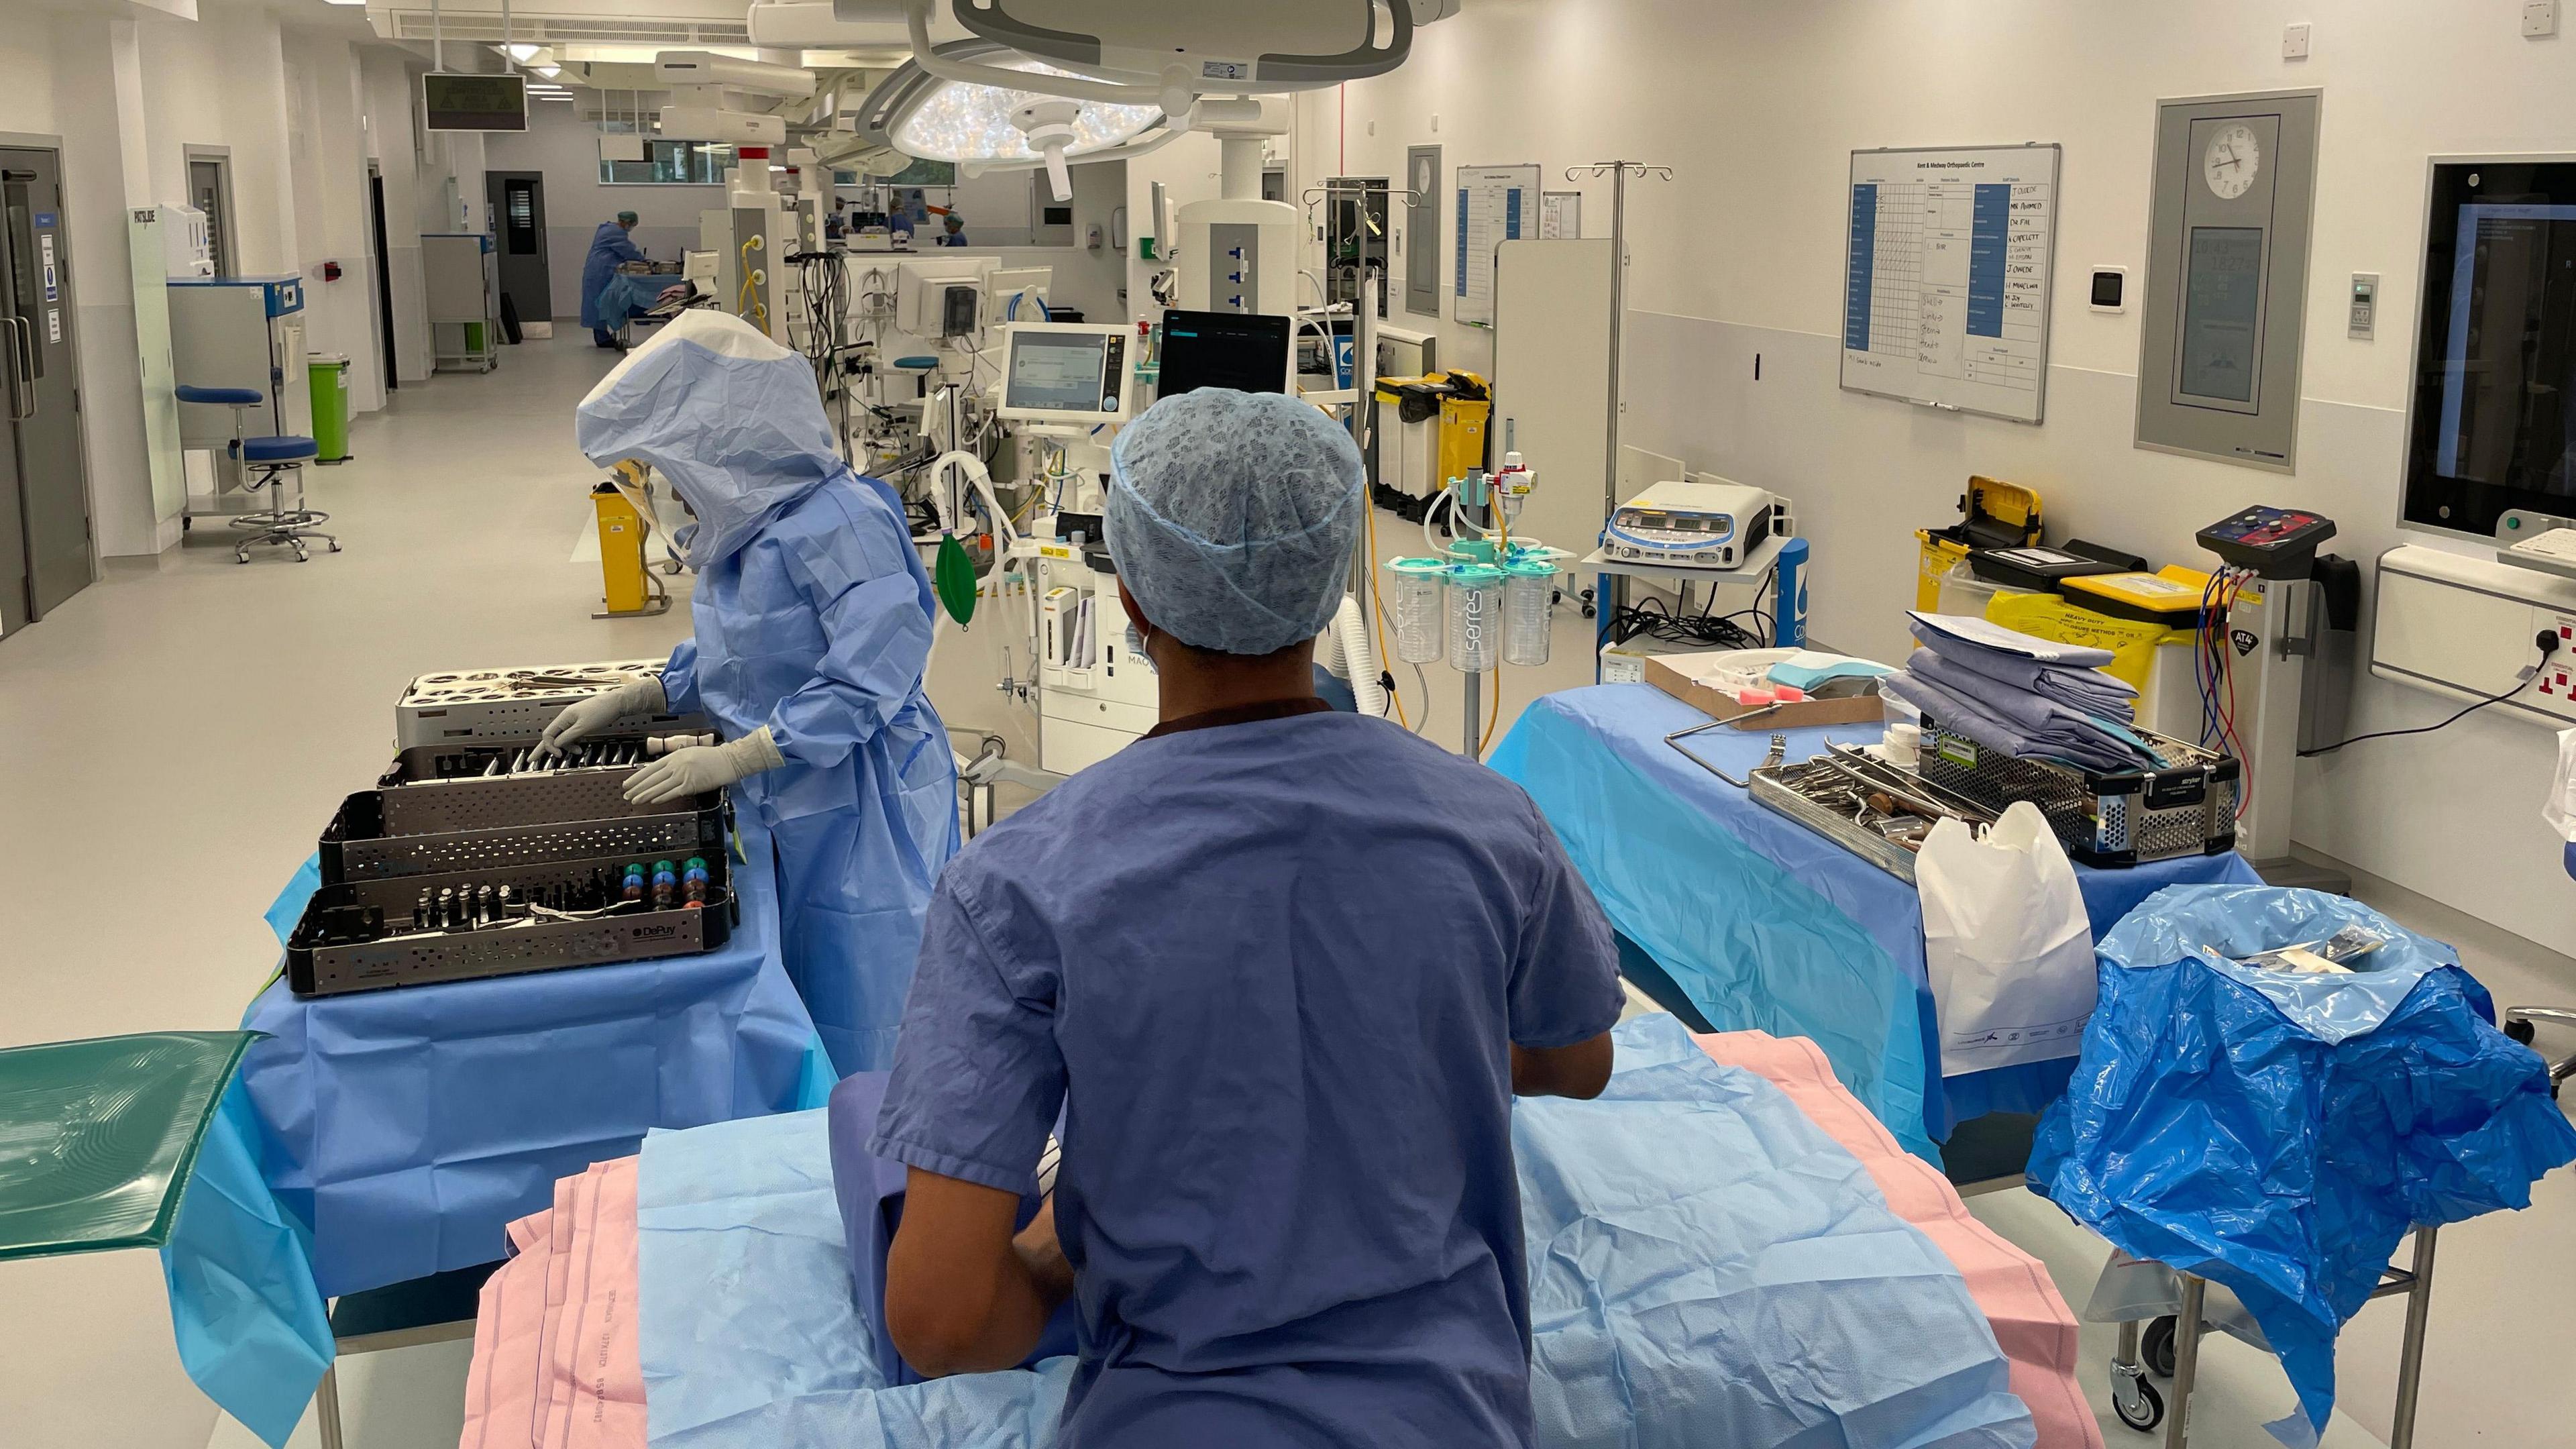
1244, 351
1073, 373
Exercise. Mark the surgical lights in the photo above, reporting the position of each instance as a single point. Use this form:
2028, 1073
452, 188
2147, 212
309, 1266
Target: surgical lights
953, 122
921, 115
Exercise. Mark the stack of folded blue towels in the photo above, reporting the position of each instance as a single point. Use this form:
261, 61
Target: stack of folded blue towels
2034, 698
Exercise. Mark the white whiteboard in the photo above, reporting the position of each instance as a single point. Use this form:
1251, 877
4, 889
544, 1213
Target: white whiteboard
1947, 262
1496, 204
1552, 381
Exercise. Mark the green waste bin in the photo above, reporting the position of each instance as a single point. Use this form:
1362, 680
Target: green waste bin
329, 373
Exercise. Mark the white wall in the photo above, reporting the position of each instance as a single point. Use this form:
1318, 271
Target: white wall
385, 86
326, 142
1756, 107
98, 70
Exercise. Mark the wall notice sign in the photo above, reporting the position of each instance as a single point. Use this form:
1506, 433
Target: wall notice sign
1496, 204
1561, 216
1946, 277
45, 251
53, 324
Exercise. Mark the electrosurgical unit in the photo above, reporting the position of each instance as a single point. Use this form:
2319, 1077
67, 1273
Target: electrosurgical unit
1703, 522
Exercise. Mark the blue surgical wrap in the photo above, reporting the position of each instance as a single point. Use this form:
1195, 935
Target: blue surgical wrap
1706, 1266
749, 1332
250, 1324
1764, 924
405, 1128
627, 295
2278, 1133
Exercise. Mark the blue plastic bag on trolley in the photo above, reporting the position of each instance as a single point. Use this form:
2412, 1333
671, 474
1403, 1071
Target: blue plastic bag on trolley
2276, 1126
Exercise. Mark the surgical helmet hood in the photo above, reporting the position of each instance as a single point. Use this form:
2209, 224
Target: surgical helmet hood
729, 417
1231, 517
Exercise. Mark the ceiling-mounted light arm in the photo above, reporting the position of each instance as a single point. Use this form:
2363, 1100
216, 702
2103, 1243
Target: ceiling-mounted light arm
1048, 123
925, 55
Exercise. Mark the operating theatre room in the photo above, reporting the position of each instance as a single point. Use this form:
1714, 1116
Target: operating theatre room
1354, 724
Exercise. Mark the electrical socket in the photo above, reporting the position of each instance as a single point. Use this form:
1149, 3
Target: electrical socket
2294, 41
2539, 18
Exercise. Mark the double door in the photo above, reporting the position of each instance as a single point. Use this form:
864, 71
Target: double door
44, 495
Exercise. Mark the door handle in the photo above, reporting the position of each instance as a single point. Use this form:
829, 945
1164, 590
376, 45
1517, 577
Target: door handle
26, 364
17, 388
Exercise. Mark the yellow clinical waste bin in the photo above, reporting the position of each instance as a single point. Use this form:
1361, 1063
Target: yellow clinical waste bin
1994, 514
625, 585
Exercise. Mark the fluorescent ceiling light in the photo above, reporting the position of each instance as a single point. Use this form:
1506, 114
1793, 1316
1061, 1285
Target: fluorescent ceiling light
522, 51
344, 2
642, 54
954, 122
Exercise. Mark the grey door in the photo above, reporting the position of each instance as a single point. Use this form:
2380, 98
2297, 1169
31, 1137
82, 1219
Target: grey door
42, 385
519, 214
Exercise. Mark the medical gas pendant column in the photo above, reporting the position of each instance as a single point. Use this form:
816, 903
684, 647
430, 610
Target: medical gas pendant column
1238, 253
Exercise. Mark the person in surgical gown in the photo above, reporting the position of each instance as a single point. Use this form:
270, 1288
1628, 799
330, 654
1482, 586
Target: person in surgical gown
1282, 969
609, 246
813, 627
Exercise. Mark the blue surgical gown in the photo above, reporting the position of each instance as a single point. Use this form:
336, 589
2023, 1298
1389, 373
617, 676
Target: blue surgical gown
1272, 970
608, 247
819, 627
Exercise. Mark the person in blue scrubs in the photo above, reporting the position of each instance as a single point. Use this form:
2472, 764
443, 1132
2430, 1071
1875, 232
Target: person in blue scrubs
813, 627
952, 231
608, 247
1282, 970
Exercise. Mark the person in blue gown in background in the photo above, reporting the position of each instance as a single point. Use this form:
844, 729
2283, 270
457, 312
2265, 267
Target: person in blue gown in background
813, 623
609, 246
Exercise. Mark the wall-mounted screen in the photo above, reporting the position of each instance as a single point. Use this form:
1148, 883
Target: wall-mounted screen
474, 102
2493, 423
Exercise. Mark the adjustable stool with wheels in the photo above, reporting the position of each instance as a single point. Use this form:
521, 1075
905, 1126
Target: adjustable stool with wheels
267, 462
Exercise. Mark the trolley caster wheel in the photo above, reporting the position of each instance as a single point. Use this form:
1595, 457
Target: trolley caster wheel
2520, 1030
1587, 611
335, 545
2145, 1413
241, 558
2156, 1347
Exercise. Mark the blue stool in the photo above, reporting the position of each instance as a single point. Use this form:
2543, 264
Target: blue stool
266, 462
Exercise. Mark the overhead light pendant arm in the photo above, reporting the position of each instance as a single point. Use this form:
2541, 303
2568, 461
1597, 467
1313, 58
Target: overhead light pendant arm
1080, 88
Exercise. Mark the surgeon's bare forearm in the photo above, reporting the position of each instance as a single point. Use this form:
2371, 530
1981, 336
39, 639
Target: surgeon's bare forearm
962, 1294
1578, 1071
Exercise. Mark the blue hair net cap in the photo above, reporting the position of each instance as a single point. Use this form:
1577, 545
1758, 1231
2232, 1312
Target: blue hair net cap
730, 418
1231, 517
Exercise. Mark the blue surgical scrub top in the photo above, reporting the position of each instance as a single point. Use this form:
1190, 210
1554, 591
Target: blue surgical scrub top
1271, 969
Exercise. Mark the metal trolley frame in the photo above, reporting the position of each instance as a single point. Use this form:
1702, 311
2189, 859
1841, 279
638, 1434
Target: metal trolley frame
2141, 1407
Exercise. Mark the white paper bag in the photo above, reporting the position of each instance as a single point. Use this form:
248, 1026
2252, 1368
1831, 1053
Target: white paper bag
2009, 946
2560, 808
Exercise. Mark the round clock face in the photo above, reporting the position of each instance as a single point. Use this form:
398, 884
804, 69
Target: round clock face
2234, 156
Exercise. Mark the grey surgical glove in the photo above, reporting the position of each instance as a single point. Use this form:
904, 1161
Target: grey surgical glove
584, 718
700, 768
